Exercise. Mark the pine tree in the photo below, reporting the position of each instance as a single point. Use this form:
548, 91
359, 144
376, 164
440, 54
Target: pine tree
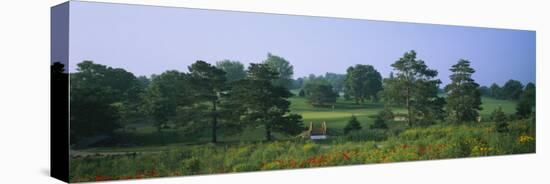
353, 124
463, 95
415, 86
500, 120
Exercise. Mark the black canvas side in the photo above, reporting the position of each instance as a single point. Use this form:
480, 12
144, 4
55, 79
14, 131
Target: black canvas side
59, 93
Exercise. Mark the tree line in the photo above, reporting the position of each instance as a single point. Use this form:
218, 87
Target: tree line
227, 98
222, 97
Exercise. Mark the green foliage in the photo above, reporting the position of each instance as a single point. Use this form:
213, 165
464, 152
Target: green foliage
512, 90
265, 104
282, 68
363, 82
165, 94
353, 125
302, 93
358, 147
527, 101
485, 91
95, 91
234, 70
386, 114
379, 123
416, 87
208, 83
496, 91
500, 119
463, 96
321, 94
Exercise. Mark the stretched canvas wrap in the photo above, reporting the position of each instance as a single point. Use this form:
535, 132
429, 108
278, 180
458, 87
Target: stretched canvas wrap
148, 91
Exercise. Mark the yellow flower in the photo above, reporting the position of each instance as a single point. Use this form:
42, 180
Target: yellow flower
525, 139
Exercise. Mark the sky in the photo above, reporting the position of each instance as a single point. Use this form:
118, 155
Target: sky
149, 40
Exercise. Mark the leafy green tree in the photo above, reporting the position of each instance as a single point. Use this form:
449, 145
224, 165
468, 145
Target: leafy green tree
500, 120
418, 89
353, 125
496, 91
95, 91
298, 83
166, 93
321, 95
363, 82
485, 91
283, 69
392, 93
463, 95
512, 90
337, 81
527, 101
234, 70
529, 94
386, 114
265, 104
208, 84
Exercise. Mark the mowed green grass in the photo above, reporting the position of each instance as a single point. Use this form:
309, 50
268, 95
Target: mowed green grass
338, 116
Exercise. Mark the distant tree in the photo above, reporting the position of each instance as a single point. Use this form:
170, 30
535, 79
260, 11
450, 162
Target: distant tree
234, 70
337, 81
363, 82
523, 109
527, 101
353, 125
298, 83
265, 104
208, 83
418, 89
313, 82
500, 120
302, 93
283, 69
321, 94
463, 95
496, 91
512, 90
529, 94
485, 91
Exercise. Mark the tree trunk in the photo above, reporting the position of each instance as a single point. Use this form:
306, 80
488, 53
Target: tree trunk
409, 118
214, 122
267, 133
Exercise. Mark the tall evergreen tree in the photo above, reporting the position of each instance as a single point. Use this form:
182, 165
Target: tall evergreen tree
208, 83
499, 118
265, 104
419, 89
463, 95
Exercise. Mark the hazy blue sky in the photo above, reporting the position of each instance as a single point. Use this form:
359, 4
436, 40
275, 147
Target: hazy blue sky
149, 40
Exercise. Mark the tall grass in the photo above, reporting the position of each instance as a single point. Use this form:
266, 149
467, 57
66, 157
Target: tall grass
364, 147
